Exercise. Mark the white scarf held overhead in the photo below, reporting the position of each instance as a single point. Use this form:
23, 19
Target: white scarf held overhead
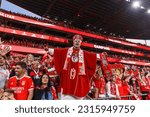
80, 62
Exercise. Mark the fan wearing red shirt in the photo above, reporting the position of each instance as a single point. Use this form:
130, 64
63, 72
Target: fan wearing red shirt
21, 84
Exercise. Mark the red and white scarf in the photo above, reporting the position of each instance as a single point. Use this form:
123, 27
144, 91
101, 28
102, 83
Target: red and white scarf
81, 69
113, 88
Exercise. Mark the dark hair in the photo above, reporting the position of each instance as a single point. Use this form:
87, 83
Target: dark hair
47, 89
145, 73
49, 83
131, 82
22, 64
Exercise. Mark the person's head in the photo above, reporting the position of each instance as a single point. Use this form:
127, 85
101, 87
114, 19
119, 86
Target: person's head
113, 78
45, 80
1, 93
113, 71
2, 60
16, 59
142, 73
8, 95
36, 64
77, 40
30, 57
99, 72
20, 69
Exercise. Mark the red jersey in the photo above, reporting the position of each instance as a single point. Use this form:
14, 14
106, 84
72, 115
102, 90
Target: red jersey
100, 84
20, 87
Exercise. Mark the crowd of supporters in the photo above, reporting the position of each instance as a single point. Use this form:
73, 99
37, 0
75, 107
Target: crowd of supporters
127, 81
44, 44
39, 31
39, 79
35, 43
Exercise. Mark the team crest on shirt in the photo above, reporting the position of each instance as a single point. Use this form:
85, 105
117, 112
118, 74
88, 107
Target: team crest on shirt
74, 59
23, 82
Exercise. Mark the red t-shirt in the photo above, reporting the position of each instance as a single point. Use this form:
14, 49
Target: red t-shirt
20, 87
100, 84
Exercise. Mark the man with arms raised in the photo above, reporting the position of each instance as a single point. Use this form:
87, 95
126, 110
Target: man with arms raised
75, 68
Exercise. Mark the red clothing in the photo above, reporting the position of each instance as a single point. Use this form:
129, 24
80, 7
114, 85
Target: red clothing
120, 87
126, 90
135, 72
145, 87
79, 85
20, 87
100, 84
106, 68
54, 94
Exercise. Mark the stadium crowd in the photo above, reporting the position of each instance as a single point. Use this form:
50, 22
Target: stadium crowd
27, 77
30, 78
61, 23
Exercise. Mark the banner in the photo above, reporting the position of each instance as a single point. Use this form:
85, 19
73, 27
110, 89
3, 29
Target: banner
61, 28
112, 49
34, 35
63, 40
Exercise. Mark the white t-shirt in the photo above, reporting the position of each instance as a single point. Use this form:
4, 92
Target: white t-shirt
4, 75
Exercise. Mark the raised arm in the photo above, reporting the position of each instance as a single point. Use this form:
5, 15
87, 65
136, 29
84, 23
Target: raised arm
5, 50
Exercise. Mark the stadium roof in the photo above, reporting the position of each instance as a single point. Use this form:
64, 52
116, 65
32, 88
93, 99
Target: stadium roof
109, 17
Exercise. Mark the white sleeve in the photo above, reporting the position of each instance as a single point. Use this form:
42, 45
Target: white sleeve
51, 69
51, 51
108, 90
7, 72
117, 91
97, 56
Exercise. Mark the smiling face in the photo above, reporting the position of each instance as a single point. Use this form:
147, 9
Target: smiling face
19, 71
